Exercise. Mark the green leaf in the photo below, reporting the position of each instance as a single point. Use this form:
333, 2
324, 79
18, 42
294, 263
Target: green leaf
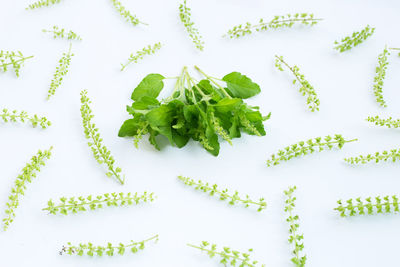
145, 102
150, 86
240, 85
160, 119
128, 128
228, 104
179, 140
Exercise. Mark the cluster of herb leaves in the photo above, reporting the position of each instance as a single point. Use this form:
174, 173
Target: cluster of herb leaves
129, 17
296, 239
148, 50
109, 250
223, 194
388, 122
386, 155
355, 39
199, 110
100, 151
79, 204
307, 147
285, 21
22, 116
61, 71
28, 173
306, 89
228, 256
63, 33
370, 206
14, 59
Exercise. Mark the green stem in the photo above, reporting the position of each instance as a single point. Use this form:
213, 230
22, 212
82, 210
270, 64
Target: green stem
214, 82
21, 59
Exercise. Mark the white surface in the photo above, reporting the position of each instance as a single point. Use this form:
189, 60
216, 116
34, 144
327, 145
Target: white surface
180, 214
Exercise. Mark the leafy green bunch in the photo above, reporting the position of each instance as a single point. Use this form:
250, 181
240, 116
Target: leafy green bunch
42, 3
100, 151
148, 50
129, 17
12, 59
354, 39
63, 33
194, 34
110, 249
388, 122
28, 173
228, 256
78, 204
307, 147
223, 194
380, 74
370, 206
386, 155
23, 116
306, 89
200, 110
61, 72
285, 21
296, 239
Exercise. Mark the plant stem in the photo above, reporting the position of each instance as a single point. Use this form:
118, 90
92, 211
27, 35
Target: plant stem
213, 81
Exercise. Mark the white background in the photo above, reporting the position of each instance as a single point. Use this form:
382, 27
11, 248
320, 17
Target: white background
180, 214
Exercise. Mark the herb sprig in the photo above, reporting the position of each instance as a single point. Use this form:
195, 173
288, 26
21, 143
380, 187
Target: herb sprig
110, 249
388, 122
223, 194
75, 205
194, 34
200, 110
306, 89
129, 17
100, 152
370, 206
148, 50
296, 239
61, 72
28, 173
307, 147
14, 59
42, 3
227, 256
380, 77
386, 155
354, 39
284, 21
22, 116
63, 33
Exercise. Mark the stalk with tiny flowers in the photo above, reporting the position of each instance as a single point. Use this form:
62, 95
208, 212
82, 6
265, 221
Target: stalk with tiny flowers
14, 59
22, 116
368, 206
354, 40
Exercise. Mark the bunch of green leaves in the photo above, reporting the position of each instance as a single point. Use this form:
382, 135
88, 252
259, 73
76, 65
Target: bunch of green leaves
129, 17
12, 59
194, 34
307, 147
368, 206
100, 152
110, 249
306, 89
386, 155
28, 173
223, 194
148, 50
22, 116
389, 122
296, 239
63, 33
199, 110
228, 256
285, 21
380, 77
61, 72
78, 204
355, 39
42, 3
396, 49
